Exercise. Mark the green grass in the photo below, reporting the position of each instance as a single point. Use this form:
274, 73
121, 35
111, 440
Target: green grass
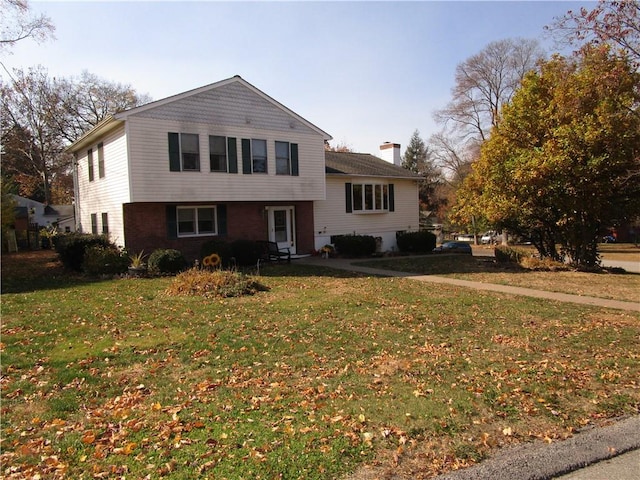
320, 374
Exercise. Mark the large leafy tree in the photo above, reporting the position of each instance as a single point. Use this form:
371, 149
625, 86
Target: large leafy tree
565, 159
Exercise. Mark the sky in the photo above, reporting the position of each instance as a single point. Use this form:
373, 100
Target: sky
365, 72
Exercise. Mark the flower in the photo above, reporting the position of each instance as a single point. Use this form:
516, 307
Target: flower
212, 260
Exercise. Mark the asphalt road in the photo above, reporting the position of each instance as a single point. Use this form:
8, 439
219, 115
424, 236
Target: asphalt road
541, 461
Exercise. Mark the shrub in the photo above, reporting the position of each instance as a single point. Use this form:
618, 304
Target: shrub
213, 283
166, 261
354, 245
246, 252
101, 260
220, 247
71, 248
416, 242
506, 254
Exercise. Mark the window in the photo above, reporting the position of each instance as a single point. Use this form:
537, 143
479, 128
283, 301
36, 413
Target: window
217, 153
101, 160
94, 223
194, 221
90, 164
105, 223
184, 152
259, 156
283, 159
369, 197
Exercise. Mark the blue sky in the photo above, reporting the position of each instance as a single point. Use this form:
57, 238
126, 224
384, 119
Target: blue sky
365, 72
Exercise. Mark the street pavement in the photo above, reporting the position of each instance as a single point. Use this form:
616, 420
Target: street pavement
600, 453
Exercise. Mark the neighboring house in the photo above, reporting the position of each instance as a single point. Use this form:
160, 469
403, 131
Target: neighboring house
45, 216
227, 161
367, 195
30, 217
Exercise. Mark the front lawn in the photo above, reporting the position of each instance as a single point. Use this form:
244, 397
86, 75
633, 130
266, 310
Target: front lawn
318, 375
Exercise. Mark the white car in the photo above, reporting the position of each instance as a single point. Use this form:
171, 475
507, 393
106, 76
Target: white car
489, 237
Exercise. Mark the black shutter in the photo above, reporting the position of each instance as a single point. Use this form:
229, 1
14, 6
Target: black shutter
232, 152
294, 160
172, 221
174, 152
348, 196
222, 219
246, 156
392, 204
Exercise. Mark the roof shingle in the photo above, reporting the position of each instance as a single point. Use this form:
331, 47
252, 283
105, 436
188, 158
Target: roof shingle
363, 164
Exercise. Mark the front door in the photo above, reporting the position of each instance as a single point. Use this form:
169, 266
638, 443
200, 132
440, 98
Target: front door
282, 227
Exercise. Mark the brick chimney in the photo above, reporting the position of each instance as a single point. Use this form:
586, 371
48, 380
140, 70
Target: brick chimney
391, 153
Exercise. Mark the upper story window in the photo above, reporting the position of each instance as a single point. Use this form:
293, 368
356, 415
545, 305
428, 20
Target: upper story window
90, 164
184, 152
283, 158
217, 153
254, 157
101, 160
195, 221
370, 197
259, 156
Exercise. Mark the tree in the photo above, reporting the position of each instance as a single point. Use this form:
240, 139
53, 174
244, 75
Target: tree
565, 159
417, 159
32, 137
485, 82
453, 156
44, 115
17, 23
88, 100
341, 147
7, 204
615, 23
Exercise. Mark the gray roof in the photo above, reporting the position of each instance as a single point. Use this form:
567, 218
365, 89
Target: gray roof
363, 164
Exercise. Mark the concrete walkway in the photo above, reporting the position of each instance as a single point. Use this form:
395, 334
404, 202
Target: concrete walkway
346, 264
605, 453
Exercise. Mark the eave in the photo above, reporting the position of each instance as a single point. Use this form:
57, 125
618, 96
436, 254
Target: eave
100, 130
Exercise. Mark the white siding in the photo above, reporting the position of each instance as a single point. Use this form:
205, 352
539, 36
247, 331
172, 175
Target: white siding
232, 105
107, 194
331, 218
152, 181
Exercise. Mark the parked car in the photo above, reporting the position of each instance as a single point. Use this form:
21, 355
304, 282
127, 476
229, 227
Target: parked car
454, 247
489, 237
464, 237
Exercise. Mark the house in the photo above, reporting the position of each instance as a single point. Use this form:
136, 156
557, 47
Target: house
41, 215
367, 195
221, 161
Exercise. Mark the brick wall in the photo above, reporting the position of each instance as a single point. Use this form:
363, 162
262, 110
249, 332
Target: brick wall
145, 226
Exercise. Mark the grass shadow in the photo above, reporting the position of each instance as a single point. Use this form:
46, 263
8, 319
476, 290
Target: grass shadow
306, 270
441, 264
29, 271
